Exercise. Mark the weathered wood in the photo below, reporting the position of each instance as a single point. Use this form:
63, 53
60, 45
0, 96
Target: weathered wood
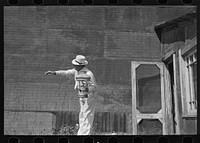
109, 124
111, 121
168, 103
124, 121
115, 123
137, 116
133, 80
167, 55
163, 104
105, 122
189, 47
177, 115
149, 116
182, 40
182, 80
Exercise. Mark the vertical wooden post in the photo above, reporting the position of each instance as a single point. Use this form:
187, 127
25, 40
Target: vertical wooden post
177, 116
108, 122
168, 103
133, 77
161, 66
182, 78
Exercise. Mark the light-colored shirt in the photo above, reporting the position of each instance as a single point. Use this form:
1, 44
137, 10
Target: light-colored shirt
92, 83
87, 105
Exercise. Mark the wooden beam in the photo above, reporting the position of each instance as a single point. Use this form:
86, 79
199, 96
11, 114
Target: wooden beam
168, 103
168, 54
189, 46
182, 79
162, 111
177, 116
149, 116
133, 77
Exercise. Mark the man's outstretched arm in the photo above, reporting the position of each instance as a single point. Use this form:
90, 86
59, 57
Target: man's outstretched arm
60, 72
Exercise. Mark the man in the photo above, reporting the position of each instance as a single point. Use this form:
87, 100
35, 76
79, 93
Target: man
87, 105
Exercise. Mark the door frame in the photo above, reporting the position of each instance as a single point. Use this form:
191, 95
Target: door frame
137, 116
172, 58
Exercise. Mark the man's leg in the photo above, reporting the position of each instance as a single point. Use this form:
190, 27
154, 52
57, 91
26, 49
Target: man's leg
86, 115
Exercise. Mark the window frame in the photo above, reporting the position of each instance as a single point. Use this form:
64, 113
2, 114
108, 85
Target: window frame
186, 95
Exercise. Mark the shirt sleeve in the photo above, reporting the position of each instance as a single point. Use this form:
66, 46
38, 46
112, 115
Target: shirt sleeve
92, 83
65, 72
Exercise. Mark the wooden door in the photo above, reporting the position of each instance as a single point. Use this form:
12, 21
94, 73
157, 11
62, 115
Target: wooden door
148, 100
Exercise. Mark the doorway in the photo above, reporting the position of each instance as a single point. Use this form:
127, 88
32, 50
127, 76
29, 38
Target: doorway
170, 68
148, 102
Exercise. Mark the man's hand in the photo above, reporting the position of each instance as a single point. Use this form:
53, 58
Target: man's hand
50, 73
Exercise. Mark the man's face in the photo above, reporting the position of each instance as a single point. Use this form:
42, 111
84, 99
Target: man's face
78, 67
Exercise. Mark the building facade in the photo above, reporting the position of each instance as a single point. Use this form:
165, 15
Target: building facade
178, 39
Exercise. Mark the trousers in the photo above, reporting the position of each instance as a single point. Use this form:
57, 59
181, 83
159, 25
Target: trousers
86, 115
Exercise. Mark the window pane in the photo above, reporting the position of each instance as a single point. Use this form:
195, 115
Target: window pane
191, 59
195, 56
149, 127
187, 61
148, 89
194, 69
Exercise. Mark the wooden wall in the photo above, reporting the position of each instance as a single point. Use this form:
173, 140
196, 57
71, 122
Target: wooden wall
171, 41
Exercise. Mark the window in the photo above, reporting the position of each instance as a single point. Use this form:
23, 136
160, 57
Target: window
188, 79
191, 73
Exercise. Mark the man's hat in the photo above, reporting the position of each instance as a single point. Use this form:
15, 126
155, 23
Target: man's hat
80, 60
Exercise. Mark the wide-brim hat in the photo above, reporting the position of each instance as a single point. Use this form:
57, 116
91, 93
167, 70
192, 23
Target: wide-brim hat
79, 60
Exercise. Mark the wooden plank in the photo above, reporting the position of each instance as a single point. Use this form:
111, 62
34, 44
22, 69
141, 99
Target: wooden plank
103, 121
118, 119
149, 116
107, 122
121, 122
133, 79
179, 96
177, 116
115, 122
124, 121
187, 89
98, 123
63, 118
168, 100
162, 111
190, 46
66, 120
182, 79
111, 121
168, 54
70, 118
